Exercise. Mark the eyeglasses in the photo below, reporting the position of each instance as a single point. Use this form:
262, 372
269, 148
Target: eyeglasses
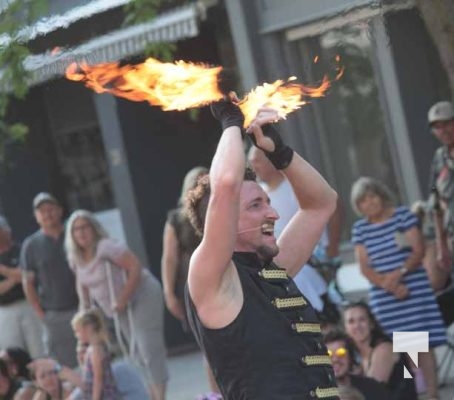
339, 352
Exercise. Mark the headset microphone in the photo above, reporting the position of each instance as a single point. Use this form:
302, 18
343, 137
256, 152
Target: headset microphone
250, 229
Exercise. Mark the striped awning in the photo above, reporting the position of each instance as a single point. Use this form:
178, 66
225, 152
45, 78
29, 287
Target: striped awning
174, 25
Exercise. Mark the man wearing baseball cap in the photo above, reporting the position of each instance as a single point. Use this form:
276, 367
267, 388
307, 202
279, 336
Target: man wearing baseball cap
48, 282
441, 123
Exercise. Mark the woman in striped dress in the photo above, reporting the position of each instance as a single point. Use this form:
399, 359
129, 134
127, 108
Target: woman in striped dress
389, 249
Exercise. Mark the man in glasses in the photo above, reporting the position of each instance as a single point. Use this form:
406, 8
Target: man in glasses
342, 350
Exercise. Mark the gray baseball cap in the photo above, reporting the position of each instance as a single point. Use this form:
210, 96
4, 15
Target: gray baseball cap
44, 197
441, 111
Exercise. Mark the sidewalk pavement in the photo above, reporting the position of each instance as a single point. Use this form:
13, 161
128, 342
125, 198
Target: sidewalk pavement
188, 377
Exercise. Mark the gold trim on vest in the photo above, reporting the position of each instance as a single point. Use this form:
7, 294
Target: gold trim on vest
306, 327
316, 360
323, 393
272, 274
289, 302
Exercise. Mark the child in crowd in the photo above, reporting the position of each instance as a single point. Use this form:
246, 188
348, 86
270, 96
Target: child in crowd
98, 380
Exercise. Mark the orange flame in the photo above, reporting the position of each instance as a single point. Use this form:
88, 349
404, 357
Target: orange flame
182, 85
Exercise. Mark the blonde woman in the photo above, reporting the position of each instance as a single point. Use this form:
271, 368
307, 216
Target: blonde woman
99, 261
179, 242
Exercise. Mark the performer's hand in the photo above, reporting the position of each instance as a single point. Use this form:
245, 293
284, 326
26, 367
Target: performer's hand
228, 114
265, 136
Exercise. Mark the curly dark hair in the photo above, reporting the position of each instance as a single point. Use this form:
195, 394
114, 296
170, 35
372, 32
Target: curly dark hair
337, 335
196, 201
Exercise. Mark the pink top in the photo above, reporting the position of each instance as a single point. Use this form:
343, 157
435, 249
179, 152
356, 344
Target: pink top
93, 275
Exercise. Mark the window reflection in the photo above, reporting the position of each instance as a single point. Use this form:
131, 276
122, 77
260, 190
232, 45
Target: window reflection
349, 121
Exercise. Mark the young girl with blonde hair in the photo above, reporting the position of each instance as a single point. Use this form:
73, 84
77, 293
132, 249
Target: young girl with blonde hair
98, 380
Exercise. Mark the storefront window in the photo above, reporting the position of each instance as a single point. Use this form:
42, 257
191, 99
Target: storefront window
349, 120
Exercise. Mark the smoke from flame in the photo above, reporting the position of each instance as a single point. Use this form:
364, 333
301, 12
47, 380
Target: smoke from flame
182, 85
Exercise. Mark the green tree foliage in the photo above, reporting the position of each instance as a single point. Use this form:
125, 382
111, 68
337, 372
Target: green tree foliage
140, 11
13, 50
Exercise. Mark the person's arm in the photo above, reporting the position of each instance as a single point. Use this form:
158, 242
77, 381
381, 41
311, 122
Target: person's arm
415, 241
131, 264
40, 394
96, 356
363, 260
316, 199
382, 362
69, 375
13, 273
83, 294
399, 290
335, 231
28, 284
169, 266
6, 285
444, 259
212, 260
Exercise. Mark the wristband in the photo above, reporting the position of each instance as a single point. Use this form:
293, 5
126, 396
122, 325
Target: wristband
282, 155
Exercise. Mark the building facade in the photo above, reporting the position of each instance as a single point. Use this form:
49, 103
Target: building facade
373, 121
126, 160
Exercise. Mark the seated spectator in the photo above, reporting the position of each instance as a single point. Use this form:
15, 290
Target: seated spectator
17, 360
128, 379
45, 376
376, 351
8, 386
342, 350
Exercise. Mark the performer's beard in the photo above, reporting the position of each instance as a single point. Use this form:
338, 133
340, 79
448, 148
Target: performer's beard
267, 253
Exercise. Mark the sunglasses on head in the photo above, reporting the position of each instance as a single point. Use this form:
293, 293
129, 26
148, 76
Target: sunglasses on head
340, 352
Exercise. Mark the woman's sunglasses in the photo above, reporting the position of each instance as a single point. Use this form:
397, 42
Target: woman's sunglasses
340, 352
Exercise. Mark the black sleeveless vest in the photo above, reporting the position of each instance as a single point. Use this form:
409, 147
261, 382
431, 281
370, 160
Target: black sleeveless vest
273, 349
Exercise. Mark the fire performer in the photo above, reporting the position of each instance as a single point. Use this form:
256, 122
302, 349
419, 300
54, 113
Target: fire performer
260, 335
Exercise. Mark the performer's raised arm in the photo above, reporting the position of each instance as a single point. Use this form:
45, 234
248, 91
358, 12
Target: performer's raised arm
317, 200
219, 200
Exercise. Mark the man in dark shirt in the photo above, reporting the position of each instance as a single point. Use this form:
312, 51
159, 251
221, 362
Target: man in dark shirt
341, 350
48, 282
261, 336
19, 325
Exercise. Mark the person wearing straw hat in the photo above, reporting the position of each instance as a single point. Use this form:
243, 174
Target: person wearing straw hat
47, 280
110, 275
260, 334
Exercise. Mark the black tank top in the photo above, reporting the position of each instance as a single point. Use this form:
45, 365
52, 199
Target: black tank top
273, 349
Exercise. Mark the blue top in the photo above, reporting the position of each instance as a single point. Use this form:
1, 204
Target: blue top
388, 249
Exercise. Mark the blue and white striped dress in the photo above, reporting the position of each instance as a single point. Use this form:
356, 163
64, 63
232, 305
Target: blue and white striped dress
387, 251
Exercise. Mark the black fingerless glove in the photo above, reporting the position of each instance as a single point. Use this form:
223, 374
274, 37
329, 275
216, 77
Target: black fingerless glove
282, 155
228, 114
